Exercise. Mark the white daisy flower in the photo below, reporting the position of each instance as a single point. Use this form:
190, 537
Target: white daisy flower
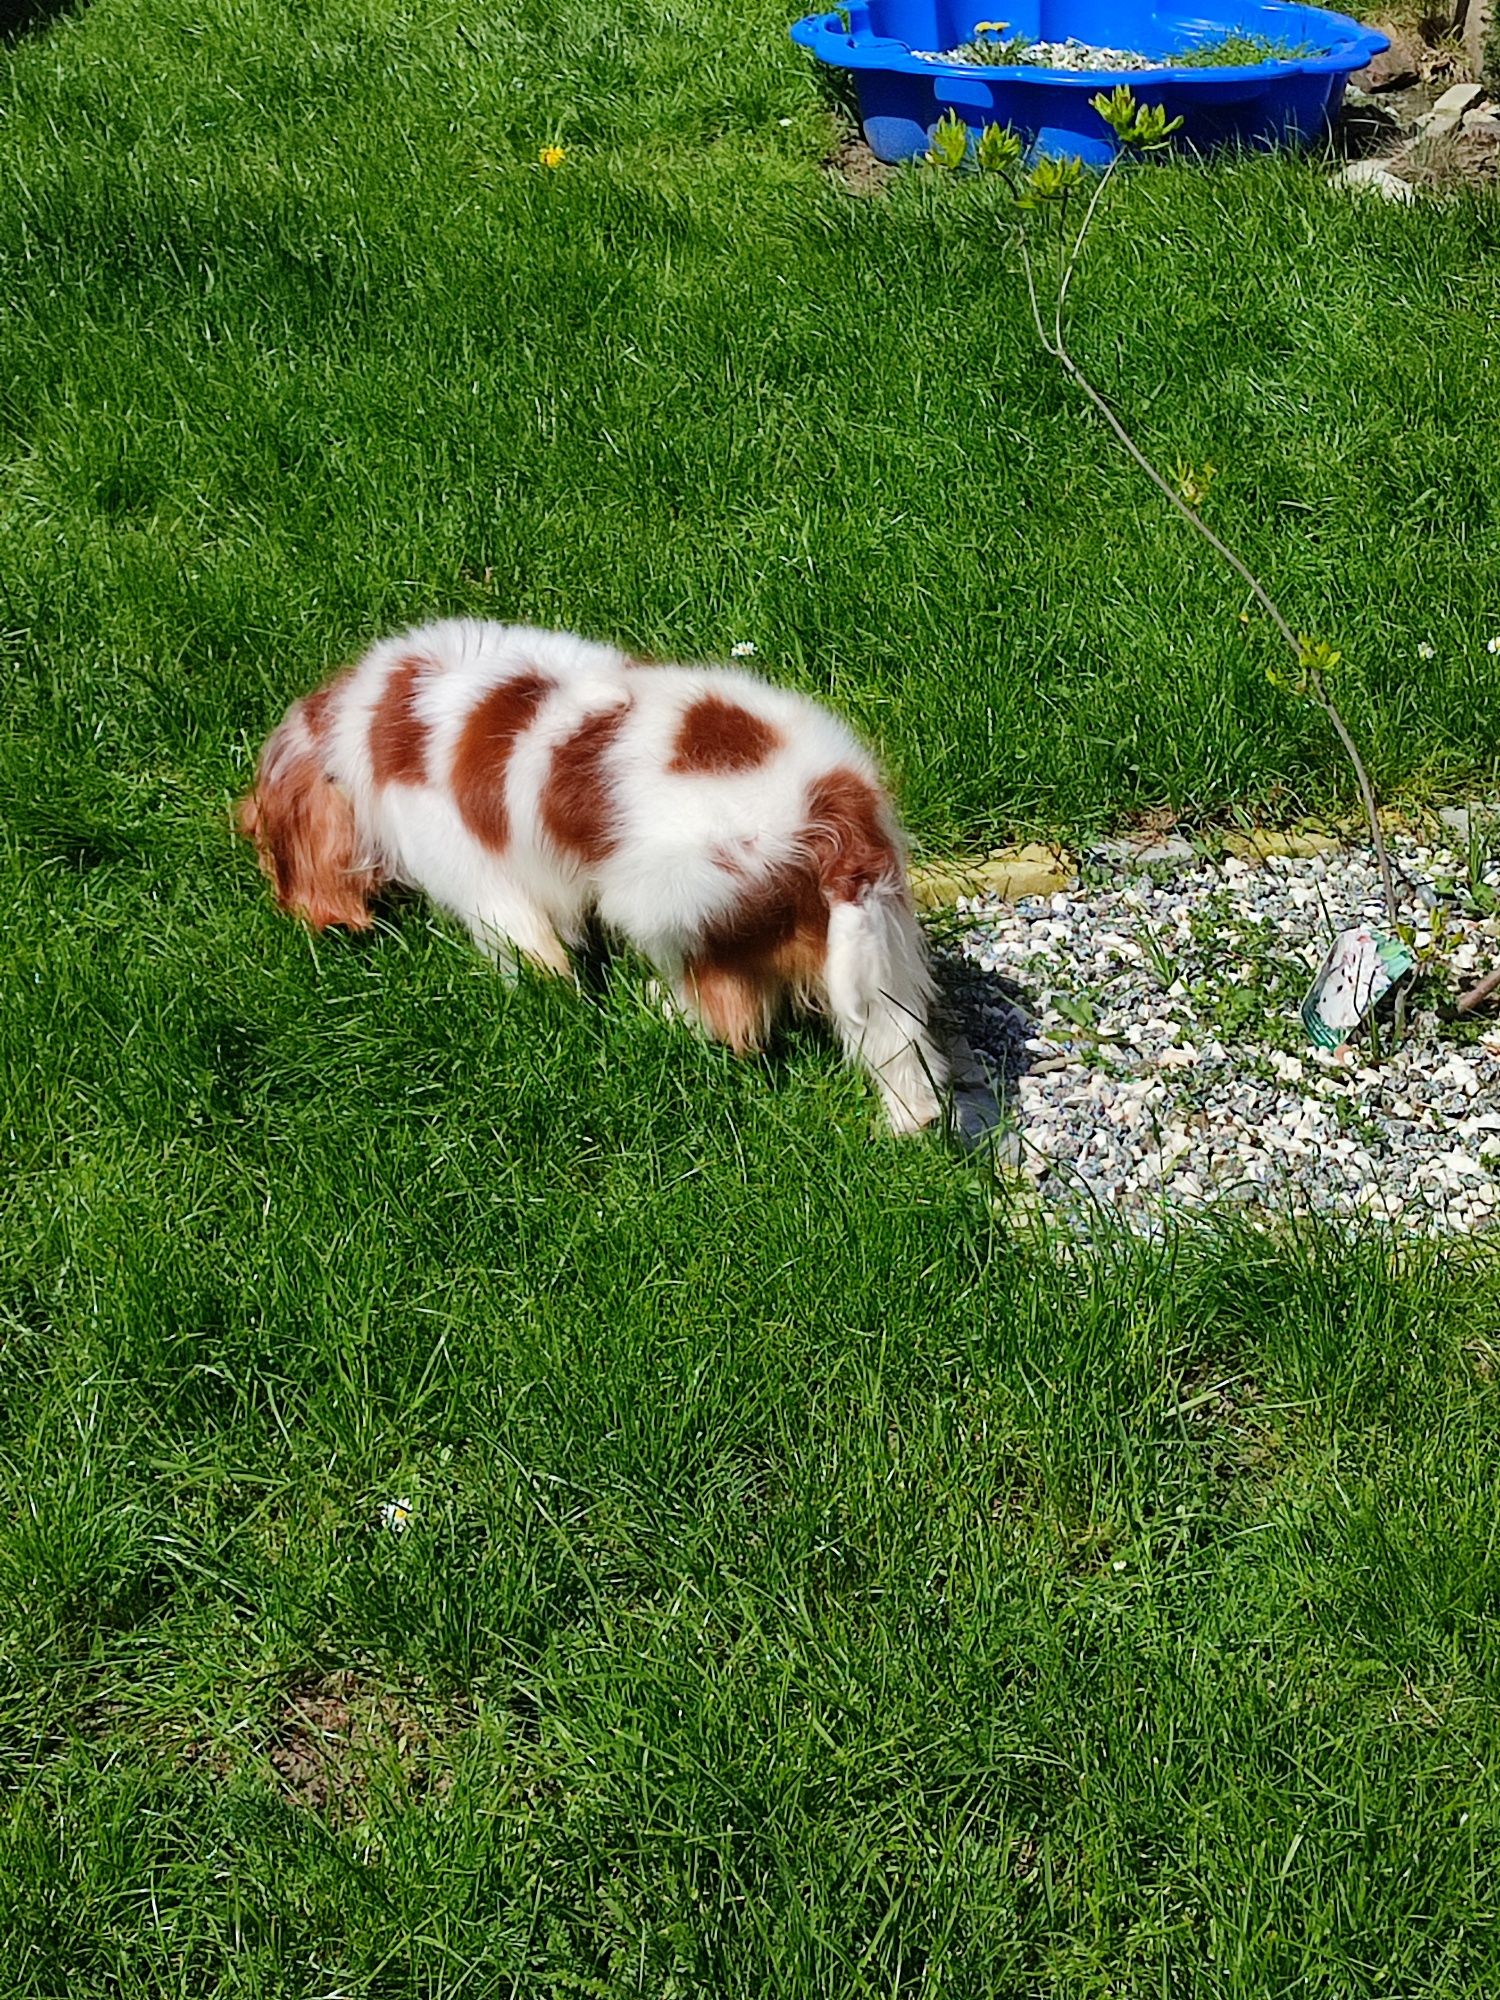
744, 649
396, 1515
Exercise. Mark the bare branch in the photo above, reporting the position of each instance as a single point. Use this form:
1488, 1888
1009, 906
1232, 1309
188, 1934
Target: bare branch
1325, 701
1477, 995
1036, 310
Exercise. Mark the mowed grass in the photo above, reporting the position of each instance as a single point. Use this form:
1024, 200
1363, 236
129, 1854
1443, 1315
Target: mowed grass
302, 341
812, 1586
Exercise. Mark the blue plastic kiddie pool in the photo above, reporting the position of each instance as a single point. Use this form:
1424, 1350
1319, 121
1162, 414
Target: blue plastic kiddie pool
1288, 100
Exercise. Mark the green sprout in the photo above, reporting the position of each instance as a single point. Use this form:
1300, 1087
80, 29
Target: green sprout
949, 146
1316, 656
1143, 126
1052, 178
1193, 481
999, 149
1316, 659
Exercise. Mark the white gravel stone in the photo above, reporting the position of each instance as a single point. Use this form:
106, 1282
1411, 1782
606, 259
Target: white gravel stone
1370, 177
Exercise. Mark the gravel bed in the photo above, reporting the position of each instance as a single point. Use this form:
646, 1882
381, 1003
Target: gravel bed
1142, 1034
1071, 54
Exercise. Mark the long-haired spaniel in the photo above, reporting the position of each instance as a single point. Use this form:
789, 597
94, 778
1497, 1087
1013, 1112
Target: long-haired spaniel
734, 833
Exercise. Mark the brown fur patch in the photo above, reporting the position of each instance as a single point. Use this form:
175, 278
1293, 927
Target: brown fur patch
488, 738
576, 807
398, 734
719, 736
735, 1006
307, 842
847, 835
775, 939
318, 707
779, 920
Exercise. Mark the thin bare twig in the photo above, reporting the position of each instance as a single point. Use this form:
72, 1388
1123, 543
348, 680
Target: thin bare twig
1477, 995
1083, 230
1316, 685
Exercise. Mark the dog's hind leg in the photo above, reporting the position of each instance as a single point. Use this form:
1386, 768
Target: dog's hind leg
733, 1005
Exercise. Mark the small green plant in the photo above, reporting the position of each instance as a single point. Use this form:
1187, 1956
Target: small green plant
1242, 975
999, 150
1427, 949
1193, 481
1163, 965
1052, 179
1144, 126
1476, 860
1077, 1009
997, 49
948, 147
1352, 1121
1234, 51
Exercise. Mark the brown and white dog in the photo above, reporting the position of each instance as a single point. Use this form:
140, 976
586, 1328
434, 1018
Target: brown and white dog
736, 834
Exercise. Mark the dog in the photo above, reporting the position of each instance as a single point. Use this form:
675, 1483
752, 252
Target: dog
736, 834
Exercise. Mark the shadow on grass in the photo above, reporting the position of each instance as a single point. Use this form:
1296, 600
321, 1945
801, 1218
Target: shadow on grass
28, 17
1363, 131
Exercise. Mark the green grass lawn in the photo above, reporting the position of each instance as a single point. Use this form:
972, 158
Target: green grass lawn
812, 1588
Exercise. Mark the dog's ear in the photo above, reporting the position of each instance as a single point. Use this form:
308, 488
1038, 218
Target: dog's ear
304, 832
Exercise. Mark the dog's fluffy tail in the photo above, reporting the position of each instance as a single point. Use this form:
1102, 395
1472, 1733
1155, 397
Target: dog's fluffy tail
880, 997
305, 834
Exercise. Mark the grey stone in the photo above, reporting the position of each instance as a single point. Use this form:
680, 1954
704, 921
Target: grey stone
1484, 818
1174, 848
1128, 853
1457, 99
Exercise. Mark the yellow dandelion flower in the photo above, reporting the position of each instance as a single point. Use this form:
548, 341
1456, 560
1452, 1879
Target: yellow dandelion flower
552, 156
